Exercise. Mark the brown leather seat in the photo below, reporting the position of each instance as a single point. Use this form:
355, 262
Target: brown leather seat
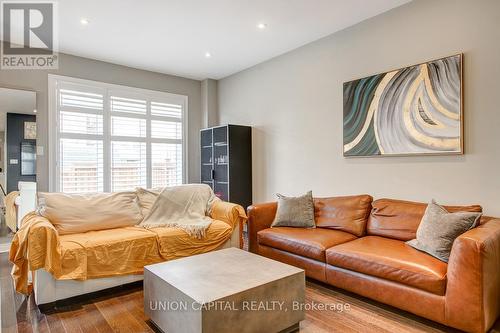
392, 260
310, 243
382, 267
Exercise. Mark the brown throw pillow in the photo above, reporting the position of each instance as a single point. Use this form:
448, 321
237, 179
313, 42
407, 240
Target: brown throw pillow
439, 229
295, 211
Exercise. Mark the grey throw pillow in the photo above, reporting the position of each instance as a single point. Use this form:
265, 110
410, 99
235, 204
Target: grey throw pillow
295, 212
439, 229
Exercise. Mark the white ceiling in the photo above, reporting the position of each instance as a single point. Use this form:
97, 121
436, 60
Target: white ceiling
172, 36
15, 101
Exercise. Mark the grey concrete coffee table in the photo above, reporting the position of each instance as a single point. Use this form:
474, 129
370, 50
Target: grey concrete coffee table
229, 290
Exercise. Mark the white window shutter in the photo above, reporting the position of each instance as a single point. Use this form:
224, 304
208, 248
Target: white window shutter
137, 133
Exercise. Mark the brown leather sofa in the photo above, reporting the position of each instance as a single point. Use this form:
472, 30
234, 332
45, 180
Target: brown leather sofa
359, 245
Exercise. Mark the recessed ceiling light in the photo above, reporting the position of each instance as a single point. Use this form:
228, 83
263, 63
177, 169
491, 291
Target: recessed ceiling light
34, 111
208, 55
261, 26
84, 21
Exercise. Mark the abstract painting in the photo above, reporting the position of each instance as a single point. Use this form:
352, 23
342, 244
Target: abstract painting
411, 111
30, 130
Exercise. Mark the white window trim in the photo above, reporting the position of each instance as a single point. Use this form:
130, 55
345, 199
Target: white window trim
53, 124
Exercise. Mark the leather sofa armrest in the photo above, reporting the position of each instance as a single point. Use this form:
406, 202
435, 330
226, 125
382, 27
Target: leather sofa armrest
473, 290
260, 217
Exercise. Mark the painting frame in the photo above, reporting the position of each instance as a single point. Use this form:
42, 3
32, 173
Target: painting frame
461, 127
30, 130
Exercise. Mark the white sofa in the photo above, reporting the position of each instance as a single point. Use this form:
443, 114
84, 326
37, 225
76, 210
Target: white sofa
47, 289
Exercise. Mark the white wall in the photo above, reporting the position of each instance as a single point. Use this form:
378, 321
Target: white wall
3, 147
294, 103
110, 73
209, 102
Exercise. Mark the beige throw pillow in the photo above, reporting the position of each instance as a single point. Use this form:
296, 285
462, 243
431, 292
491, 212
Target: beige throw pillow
439, 229
295, 211
76, 213
147, 198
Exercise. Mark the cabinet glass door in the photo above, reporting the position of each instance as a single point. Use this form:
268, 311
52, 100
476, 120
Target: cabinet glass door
221, 162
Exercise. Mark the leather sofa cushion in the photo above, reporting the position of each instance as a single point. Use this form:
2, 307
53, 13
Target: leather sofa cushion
392, 260
349, 213
400, 219
310, 243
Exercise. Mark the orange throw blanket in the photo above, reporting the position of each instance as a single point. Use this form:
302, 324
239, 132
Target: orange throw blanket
38, 238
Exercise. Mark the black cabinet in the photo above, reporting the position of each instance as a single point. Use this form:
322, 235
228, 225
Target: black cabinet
226, 162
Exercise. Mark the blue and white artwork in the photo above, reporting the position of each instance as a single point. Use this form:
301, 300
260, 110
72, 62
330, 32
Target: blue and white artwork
414, 110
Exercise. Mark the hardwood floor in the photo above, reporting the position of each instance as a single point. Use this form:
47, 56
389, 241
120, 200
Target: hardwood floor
121, 310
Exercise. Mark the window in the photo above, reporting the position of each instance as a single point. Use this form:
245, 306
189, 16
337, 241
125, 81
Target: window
114, 138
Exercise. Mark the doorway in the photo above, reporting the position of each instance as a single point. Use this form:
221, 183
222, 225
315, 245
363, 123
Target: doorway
17, 153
